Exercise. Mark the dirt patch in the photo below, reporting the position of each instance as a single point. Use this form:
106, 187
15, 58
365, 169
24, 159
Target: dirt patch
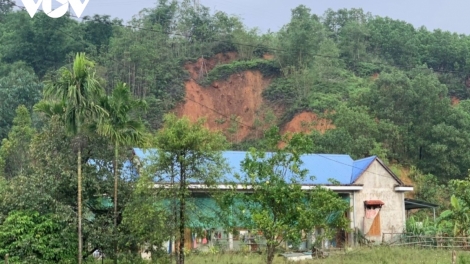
268, 56
231, 106
236, 106
405, 178
203, 65
306, 122
374, 76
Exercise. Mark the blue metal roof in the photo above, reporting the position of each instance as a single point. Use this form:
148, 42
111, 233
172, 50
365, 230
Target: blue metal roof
341, 168
359, 166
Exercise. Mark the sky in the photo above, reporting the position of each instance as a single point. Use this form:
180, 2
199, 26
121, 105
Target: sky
451, 15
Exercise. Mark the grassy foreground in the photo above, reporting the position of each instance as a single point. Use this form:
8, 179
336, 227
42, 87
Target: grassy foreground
377, 255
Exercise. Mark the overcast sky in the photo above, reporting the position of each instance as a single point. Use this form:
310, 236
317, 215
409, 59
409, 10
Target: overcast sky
451, 15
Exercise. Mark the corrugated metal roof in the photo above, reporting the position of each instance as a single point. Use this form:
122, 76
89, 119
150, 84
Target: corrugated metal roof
359, 166
341, 168
417, 204
321, 166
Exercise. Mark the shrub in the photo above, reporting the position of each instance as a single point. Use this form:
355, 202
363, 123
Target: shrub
268, 68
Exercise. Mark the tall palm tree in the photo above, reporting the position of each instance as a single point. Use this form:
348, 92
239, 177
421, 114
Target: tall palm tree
122, 130
74, 96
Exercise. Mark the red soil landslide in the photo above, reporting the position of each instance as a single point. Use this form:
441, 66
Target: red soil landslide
203, 65
240, 97
306, 122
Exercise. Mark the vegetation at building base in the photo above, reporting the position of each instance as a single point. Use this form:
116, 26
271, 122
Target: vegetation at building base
278, 207
452, 222
186, 153
390, 90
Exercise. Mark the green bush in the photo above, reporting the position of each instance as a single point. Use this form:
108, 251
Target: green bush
31, 237
223, 46
366, 69
268, 68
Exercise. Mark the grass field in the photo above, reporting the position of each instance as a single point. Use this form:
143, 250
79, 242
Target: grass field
375, 255
378, 255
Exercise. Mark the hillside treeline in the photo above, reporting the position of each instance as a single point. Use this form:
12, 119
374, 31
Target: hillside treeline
390, 84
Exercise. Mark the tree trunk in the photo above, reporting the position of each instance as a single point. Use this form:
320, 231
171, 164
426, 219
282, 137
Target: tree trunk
79, 202
182, 215
175, 217
116, 176
270, 251
181, 232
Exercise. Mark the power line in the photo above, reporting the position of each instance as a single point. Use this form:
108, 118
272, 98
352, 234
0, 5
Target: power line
251, 127
242, 44
266, 47
173, 33
257, 129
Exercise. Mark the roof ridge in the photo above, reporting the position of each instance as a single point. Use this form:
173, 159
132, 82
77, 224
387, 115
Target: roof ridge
245, 151
326, 154
320, 165
373, 156
357, 171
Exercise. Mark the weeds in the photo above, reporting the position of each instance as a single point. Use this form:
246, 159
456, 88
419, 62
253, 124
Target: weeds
364, 255
268, 68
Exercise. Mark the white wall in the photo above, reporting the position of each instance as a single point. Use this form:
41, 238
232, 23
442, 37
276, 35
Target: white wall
378, 184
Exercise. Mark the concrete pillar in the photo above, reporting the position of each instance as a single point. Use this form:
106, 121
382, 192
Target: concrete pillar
309, 240
230, 241
351, 216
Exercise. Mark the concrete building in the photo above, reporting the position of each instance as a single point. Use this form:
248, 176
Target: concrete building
376, 196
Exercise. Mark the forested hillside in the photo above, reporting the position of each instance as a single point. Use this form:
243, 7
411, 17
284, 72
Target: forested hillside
358, 84
390, 89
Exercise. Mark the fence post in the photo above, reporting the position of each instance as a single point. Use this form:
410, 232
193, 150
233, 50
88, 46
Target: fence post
454, 257
6, 259
383, 238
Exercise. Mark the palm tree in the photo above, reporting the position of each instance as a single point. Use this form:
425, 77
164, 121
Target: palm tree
121, 130
74, 97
